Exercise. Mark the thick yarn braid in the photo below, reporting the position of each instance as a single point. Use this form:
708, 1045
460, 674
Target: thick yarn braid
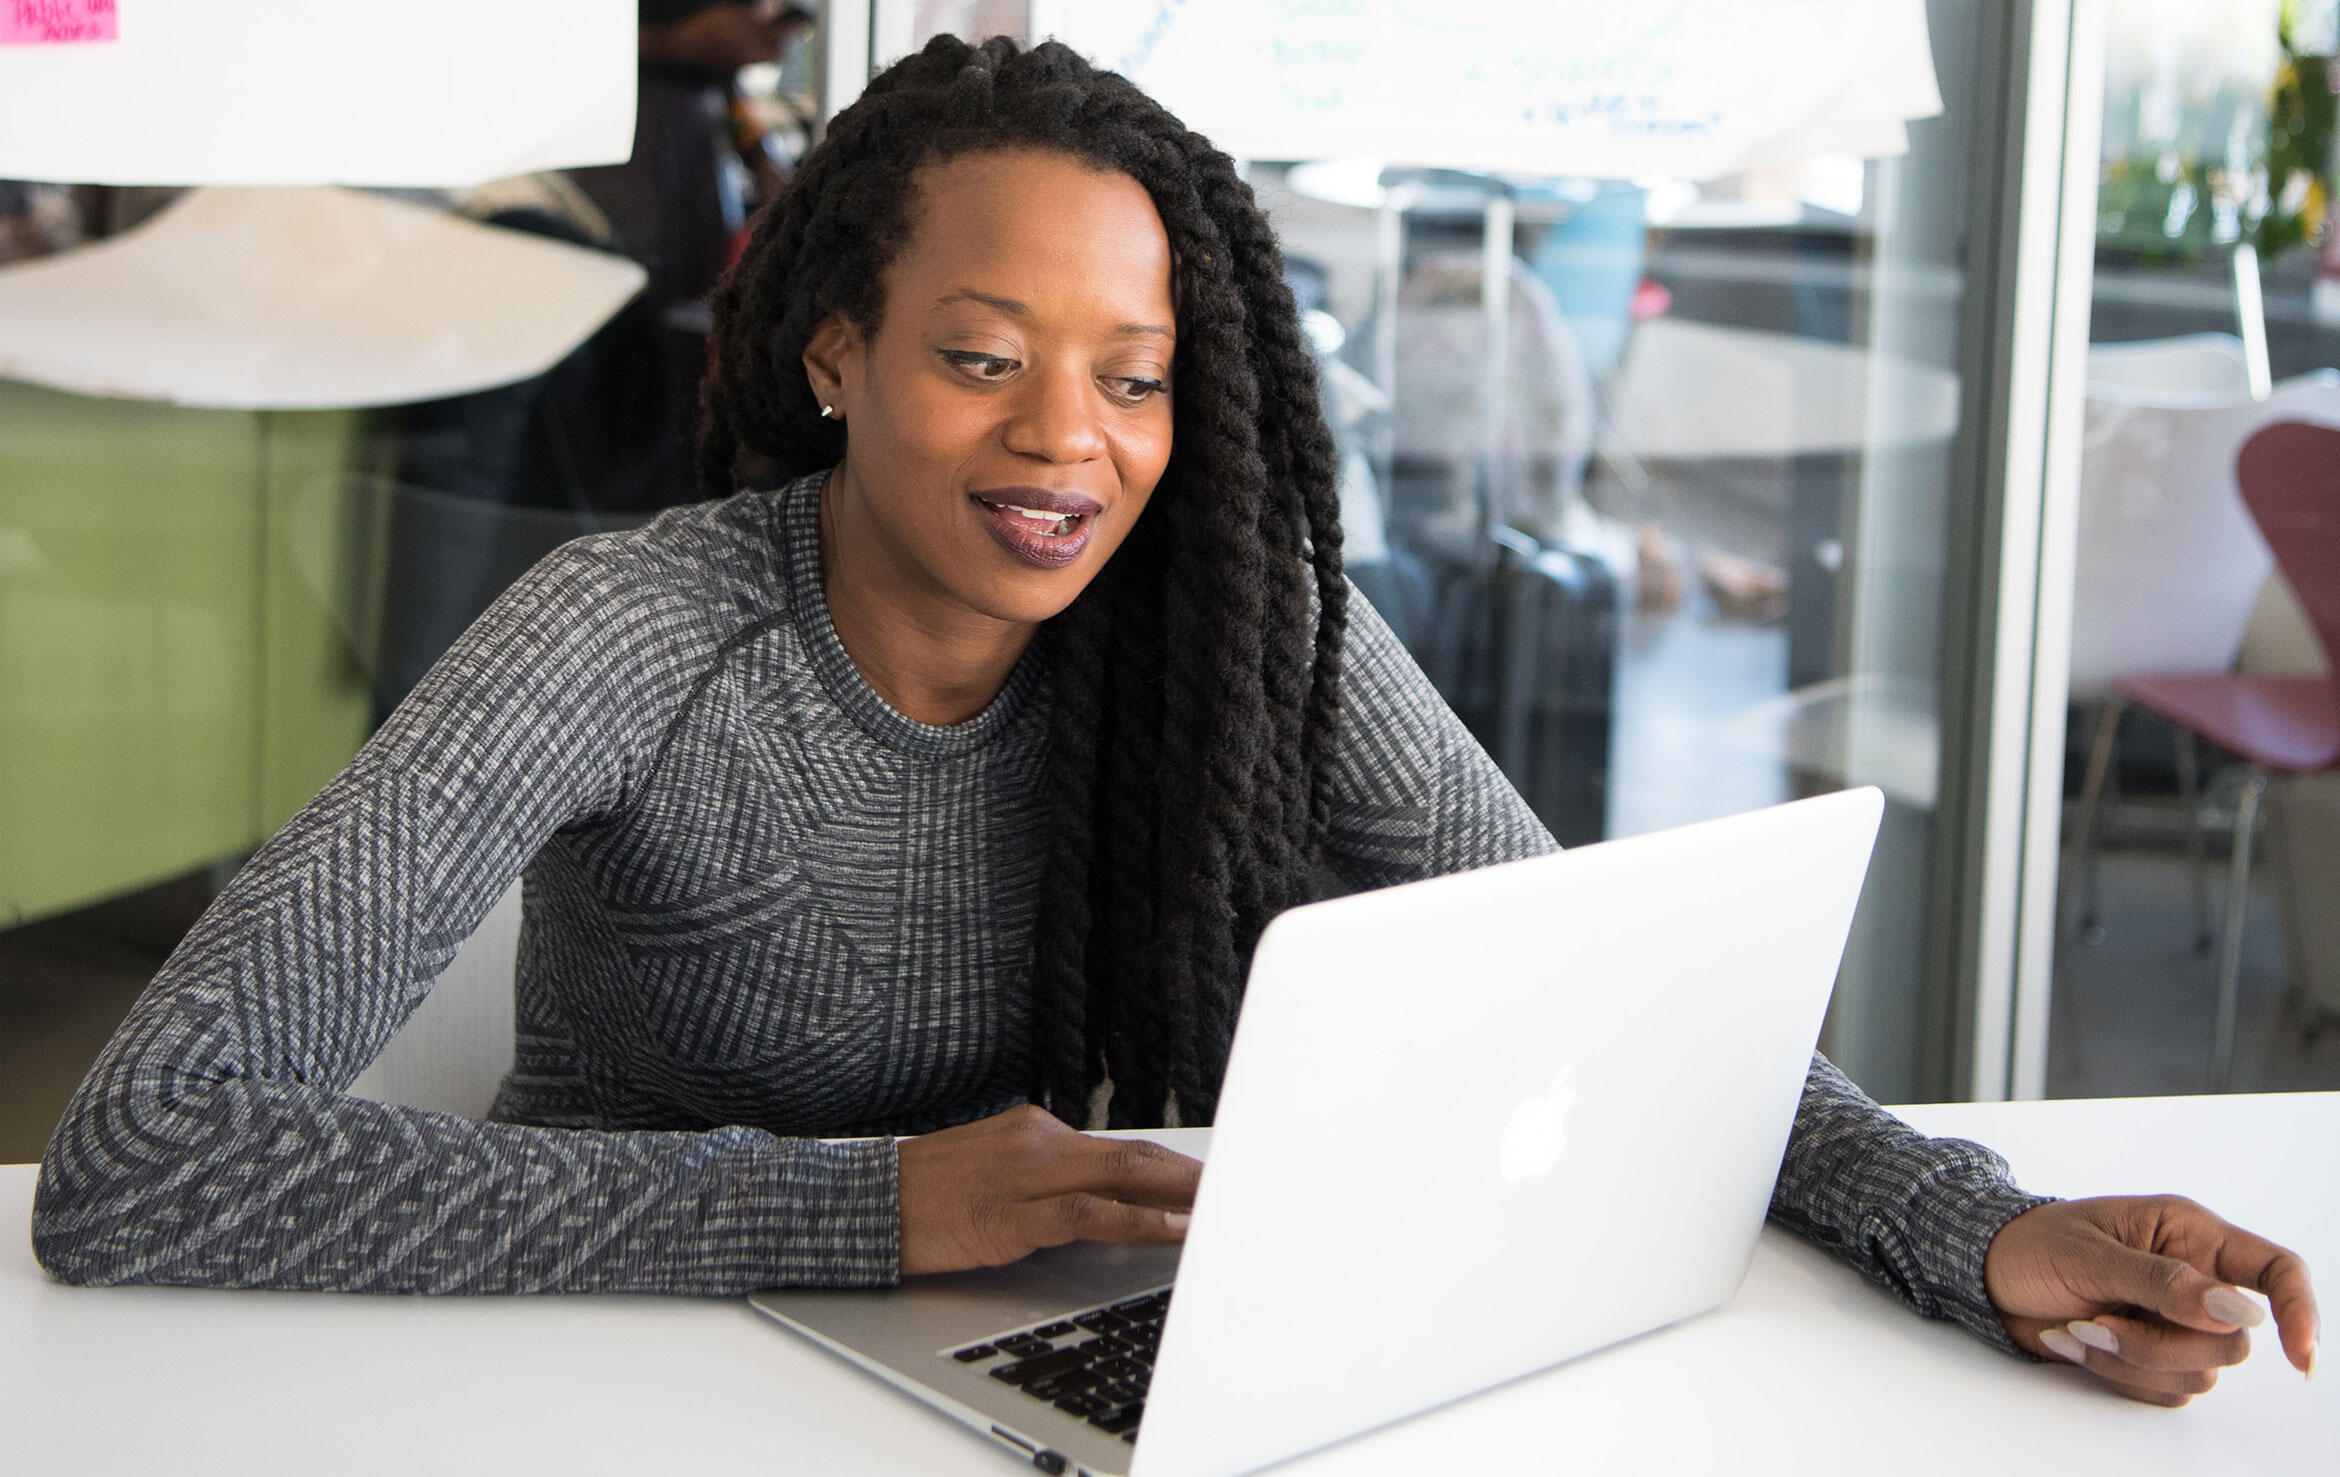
1197, 679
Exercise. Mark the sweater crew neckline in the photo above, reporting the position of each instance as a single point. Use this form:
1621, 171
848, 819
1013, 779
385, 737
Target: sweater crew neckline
808, 600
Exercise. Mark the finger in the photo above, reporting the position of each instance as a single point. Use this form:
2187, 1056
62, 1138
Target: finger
2175, 1289
1130, 1170
2149, 1343
1085, 1217
2168, 1399
2253, 1261
2170, 1387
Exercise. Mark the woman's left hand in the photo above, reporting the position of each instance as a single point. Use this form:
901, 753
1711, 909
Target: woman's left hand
2141, 1292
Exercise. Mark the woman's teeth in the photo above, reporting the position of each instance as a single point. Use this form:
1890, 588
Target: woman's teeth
1055, 525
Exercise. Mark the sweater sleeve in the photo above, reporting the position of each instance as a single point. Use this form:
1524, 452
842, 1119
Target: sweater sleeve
1415, 796
212, 1142
1915, 1214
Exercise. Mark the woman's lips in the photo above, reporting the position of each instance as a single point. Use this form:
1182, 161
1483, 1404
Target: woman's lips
1037, 527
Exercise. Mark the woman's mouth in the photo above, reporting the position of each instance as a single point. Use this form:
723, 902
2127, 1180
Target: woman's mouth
1042, 529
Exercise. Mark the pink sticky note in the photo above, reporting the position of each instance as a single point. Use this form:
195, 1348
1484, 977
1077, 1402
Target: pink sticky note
44, 22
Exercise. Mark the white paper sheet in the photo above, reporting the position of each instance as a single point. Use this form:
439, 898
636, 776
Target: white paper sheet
421, 92
1612, 89
297, 299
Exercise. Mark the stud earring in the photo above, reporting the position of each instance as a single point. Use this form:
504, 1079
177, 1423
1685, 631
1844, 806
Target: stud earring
828, 412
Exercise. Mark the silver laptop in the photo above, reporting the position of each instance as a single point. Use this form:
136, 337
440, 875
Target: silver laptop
1471, 1127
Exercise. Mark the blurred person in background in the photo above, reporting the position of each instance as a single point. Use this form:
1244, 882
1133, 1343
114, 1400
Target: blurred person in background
676, 204
487, 483
702, 162
20, 234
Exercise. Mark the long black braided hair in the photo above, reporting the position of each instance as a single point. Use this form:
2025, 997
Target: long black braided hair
1197, 677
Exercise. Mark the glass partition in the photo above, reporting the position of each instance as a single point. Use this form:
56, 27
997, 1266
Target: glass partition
1675, 479
2196, 947
1656, 474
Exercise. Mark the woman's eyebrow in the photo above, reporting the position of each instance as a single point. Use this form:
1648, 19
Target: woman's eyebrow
1020, 309
970, 295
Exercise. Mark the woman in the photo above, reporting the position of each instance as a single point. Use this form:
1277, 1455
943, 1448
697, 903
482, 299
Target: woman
941, 792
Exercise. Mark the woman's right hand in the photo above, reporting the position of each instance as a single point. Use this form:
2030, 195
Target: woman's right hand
994, 1191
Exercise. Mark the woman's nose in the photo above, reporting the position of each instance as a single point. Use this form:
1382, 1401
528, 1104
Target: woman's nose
1056, 417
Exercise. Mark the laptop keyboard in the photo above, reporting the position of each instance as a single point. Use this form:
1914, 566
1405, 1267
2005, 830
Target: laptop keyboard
1094, 1364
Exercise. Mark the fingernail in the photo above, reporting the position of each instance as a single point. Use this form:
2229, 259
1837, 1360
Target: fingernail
2063, 1346
2228, 1306
2094, 1335
2313, 1351
1176, 1219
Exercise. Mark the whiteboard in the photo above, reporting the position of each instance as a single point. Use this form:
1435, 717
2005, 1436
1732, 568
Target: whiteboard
305, 92
1614, 89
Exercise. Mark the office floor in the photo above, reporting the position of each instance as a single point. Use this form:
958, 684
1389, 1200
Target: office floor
2132, 1016
1682, 677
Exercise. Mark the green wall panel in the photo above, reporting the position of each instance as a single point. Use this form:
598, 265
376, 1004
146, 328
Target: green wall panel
173, 680
316, 701
129, 668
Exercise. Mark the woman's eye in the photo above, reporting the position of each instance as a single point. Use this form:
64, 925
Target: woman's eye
1134, 390
979, 366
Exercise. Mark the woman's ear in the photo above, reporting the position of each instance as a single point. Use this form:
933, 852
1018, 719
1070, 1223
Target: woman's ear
832, 363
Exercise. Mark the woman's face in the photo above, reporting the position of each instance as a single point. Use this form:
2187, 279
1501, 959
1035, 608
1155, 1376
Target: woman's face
1011, 415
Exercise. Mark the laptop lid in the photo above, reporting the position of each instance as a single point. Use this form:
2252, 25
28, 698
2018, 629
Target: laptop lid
1477, 1125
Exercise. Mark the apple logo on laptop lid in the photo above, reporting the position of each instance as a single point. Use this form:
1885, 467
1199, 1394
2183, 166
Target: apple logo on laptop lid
1537, 1134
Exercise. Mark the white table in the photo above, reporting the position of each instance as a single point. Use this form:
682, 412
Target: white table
1700, 391
1807, 1364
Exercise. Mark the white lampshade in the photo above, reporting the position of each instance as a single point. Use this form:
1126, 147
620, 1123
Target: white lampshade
299, 299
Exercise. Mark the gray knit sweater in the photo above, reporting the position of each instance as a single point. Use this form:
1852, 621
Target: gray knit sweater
762, 909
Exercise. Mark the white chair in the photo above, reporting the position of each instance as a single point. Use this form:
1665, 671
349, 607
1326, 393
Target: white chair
453, 1052
2169, 562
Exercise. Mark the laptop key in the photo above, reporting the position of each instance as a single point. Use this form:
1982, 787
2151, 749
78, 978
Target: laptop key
1121, 1392
980, 1351
1101, 1321
1082, 1404
1024, 1347
1052, 1331
1041, 1366
1119, 1418
1072, 1381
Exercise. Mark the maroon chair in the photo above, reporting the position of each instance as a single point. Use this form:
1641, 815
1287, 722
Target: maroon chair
2290, 479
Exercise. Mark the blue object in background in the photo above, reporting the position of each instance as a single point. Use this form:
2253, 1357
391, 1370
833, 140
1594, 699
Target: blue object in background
1593, 262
